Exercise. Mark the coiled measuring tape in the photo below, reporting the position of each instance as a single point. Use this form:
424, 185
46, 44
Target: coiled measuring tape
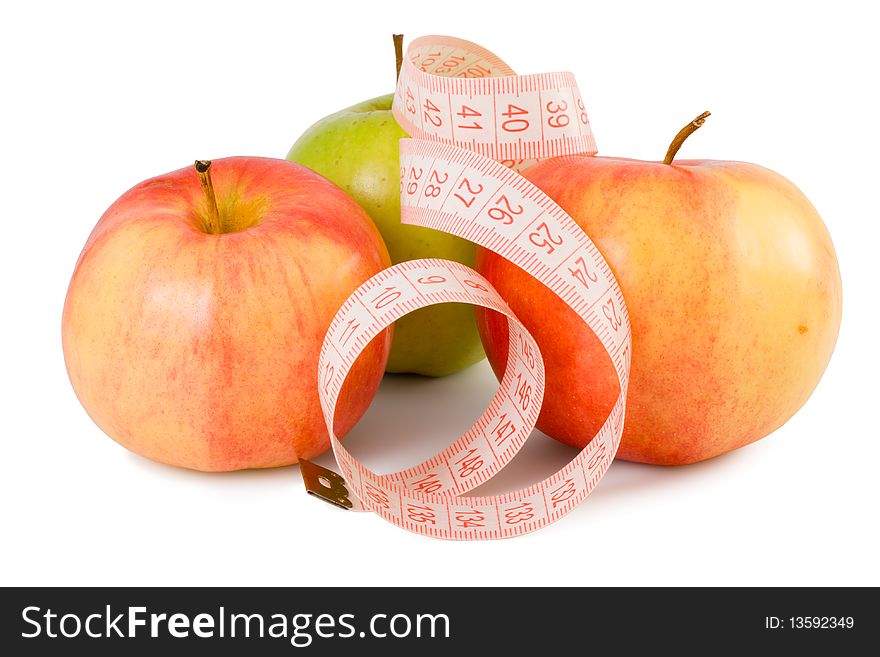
474, 123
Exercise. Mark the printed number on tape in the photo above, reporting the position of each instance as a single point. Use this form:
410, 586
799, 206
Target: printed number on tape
475, 123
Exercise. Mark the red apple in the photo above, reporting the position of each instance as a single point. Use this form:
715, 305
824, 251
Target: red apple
197, 309
733, 291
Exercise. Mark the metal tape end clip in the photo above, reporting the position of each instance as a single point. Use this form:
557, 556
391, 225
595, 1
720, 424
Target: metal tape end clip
325, 484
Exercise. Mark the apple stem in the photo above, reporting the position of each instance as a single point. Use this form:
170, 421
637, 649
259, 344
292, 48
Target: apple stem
398, 51
203, 168
683, 134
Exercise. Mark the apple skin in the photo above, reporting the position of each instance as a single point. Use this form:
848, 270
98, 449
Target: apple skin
358, 149
734, 296
201, 350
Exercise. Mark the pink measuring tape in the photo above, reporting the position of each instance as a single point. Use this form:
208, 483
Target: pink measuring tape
475, 123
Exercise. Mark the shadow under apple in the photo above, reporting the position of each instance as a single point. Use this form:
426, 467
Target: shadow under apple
414, 417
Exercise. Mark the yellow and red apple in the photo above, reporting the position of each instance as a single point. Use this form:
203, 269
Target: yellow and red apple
733, 290
197, 309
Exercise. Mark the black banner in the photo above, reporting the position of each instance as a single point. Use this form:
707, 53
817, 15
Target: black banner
412, 621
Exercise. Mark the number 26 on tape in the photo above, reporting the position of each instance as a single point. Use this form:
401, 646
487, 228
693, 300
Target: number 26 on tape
504, 211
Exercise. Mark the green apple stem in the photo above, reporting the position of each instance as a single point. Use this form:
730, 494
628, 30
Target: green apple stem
212, 224
398, 52
683, 134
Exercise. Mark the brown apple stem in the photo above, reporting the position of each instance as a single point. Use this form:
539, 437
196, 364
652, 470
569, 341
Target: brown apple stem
683, 134
398, 52
203, 168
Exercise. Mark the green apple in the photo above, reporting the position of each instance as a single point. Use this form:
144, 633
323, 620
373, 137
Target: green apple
357, 149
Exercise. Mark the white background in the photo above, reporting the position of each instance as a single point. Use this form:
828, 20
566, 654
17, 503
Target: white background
96, 98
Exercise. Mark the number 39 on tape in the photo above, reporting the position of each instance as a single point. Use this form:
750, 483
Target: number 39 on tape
475, 123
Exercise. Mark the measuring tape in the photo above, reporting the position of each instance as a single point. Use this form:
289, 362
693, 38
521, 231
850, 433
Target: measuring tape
472, 131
